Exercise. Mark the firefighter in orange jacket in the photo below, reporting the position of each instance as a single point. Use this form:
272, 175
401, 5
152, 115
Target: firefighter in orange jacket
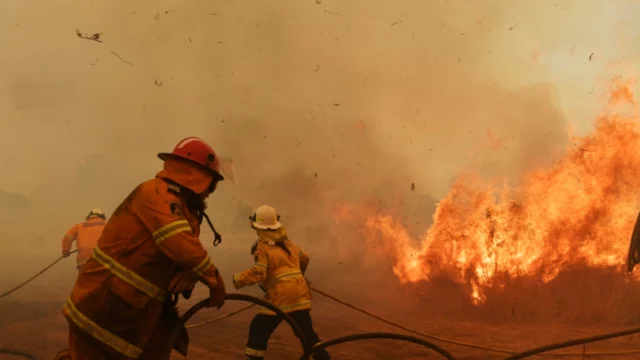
120, 307
279, 267
86, 235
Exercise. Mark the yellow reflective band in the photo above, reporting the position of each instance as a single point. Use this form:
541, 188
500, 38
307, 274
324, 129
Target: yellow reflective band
260, 265
99, 333
127, 275
287, 275
253, 352
170, 229
203, 266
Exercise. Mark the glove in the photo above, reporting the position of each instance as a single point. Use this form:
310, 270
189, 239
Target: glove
181, 282
235, 284
217, 292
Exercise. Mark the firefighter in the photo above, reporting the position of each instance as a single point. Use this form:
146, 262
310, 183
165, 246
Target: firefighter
121, 307
86, 235
279, 267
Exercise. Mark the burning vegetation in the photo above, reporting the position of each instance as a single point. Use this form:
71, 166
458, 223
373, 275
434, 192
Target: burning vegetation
577, 213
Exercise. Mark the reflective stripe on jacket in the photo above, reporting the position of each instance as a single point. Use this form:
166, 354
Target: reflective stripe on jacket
119, 294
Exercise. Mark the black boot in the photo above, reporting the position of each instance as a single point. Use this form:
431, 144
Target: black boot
322, 355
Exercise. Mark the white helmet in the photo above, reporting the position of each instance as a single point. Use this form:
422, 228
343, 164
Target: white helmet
266, 218
96, 213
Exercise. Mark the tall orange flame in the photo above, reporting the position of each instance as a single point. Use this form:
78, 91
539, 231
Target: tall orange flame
579, 211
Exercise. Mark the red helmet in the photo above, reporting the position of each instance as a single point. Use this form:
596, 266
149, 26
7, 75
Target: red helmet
197, 151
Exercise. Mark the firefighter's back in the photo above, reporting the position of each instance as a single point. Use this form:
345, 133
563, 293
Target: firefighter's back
286, 286
89, 233
122, 286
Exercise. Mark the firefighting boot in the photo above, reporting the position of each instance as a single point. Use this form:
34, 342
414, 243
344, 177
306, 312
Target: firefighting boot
321, 355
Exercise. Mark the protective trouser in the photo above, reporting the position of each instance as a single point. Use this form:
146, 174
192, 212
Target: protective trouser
263, 326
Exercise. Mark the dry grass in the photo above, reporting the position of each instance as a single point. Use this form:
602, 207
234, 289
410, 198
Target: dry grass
578, 296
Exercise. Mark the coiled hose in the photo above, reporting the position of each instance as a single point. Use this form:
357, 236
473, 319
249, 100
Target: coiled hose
308, 350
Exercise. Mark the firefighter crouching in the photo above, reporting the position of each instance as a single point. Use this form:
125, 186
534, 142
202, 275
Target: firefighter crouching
86, 235
120, 306
279, 267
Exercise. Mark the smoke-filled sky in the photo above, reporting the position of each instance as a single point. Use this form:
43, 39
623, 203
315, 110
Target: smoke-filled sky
316, 101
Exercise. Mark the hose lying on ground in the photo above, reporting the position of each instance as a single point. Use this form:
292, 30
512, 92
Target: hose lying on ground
238, 297
419, 333
366, 336
6, 293
18, 353
540, 350
515, 355
504, 351
308, 351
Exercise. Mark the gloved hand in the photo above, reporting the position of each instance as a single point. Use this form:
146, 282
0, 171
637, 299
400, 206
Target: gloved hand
235, 284
181, 282
65, 253
217, 292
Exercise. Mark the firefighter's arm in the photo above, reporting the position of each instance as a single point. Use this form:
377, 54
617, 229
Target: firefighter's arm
68, 239
256, 274
304, 261
172, 233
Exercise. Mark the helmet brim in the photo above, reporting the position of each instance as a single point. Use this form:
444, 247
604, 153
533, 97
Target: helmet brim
166, 156
275, 226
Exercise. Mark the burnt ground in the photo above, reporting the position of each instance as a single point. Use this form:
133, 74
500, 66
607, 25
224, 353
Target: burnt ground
31, 320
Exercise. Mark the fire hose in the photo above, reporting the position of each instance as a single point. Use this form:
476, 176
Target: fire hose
309, 351
513, 354
18, 353
240, 297
542, 349
16, 288
6, 293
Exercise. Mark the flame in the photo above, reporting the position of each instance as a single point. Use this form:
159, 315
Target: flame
581, 210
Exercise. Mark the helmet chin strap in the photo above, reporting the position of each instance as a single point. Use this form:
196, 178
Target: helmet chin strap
217, 238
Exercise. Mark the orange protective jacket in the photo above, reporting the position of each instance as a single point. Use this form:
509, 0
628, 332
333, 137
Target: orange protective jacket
86, 235
279, 274
120, 298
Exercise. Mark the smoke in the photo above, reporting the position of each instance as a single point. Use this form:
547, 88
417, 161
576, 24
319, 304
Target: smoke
318, 103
